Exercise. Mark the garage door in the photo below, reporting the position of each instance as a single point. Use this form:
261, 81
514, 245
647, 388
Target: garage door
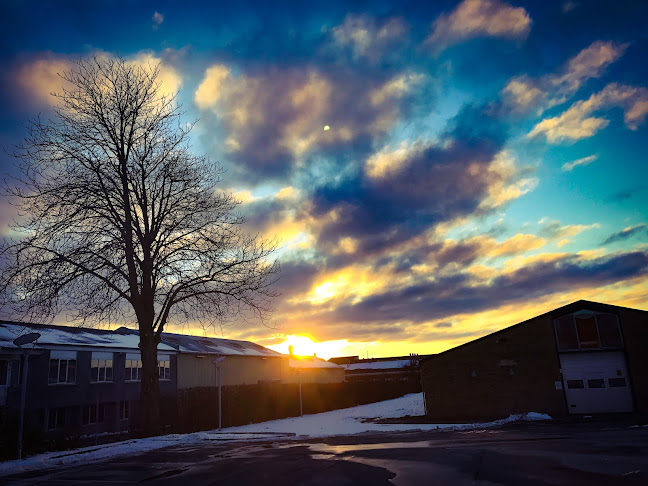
596, 382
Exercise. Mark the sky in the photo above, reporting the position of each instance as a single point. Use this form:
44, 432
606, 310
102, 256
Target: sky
431, 171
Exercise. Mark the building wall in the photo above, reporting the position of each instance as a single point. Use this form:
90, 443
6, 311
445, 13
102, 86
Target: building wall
312, 375
42, 396
194, 371
474, 381
634, 327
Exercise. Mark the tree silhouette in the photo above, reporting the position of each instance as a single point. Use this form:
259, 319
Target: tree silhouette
120, 221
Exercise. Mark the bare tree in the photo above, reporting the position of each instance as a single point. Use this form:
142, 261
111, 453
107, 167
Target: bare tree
119, 220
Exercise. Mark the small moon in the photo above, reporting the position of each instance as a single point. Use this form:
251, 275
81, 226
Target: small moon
326, 127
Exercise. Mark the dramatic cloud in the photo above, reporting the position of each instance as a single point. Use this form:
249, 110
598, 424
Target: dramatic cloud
274, 119
368, 37
42, 77
479, 18
456, 294
576, 123
569, 166
626, 233
524, 93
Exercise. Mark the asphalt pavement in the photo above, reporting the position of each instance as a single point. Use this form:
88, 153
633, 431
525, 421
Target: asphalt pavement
517, 454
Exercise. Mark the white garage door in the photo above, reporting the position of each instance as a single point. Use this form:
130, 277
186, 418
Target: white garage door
596, 382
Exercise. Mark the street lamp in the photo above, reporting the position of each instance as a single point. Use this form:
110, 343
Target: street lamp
20, 341
218, 362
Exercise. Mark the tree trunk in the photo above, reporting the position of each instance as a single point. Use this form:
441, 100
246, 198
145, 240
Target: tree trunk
149, 413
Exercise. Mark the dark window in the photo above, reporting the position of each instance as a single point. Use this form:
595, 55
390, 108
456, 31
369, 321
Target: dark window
571, 384
92, 414
56, 418
123, 410
616, 382
587, 332
596, 383
566, 332
89, 414
101, 367
4, 368
133, 367
62, 367
164, 368
609, 331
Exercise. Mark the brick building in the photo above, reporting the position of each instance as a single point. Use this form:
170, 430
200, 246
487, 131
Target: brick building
583, 358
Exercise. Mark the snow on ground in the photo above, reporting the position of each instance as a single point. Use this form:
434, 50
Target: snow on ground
337, 422
379, 365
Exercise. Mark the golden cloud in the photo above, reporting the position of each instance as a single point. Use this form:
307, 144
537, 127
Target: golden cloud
576, 123
475, 18
42, 77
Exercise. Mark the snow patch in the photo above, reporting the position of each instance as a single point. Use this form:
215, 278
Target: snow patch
345, 421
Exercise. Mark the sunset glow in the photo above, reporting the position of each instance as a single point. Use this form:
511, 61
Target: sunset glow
429, 171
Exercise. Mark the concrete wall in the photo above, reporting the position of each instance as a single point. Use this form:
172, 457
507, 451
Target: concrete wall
194, 371
313, 375
634, 327
474, 381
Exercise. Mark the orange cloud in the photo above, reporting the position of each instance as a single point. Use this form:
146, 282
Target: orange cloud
477, 18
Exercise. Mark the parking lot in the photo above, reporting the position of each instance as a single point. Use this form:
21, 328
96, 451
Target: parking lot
531, 454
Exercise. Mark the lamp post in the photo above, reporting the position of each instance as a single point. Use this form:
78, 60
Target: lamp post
20, 341
218, 362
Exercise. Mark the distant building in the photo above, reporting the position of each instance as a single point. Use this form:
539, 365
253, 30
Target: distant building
372, 369
583, 358
245, 363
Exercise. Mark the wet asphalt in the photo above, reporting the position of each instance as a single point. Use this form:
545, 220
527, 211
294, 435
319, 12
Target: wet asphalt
518, 454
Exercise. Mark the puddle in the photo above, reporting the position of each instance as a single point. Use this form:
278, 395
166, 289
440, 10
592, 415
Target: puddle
341, 449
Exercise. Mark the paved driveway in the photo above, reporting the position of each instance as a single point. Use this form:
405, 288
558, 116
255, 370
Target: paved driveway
523, 454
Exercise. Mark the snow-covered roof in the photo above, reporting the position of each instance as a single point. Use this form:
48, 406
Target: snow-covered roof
210, 345
70, 337
379, 365
310, 362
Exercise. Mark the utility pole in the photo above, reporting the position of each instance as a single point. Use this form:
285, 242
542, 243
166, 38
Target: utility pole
20, 341
218, 362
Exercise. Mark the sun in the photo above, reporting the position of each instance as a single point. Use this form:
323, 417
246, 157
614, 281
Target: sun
303, 345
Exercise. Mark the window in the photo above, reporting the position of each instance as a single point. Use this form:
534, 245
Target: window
56, 418
89, 414
596, 383
62, 367
93, 414
588, 330
133, 367
101, 367
575, 384
566, 332
124, 410
164, 367
616, 382
609, 331
4, 372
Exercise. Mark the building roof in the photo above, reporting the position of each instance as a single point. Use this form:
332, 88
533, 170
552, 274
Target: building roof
68, 336
310, 362
211, 345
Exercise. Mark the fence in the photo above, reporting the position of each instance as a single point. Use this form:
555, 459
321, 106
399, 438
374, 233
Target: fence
244, 404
